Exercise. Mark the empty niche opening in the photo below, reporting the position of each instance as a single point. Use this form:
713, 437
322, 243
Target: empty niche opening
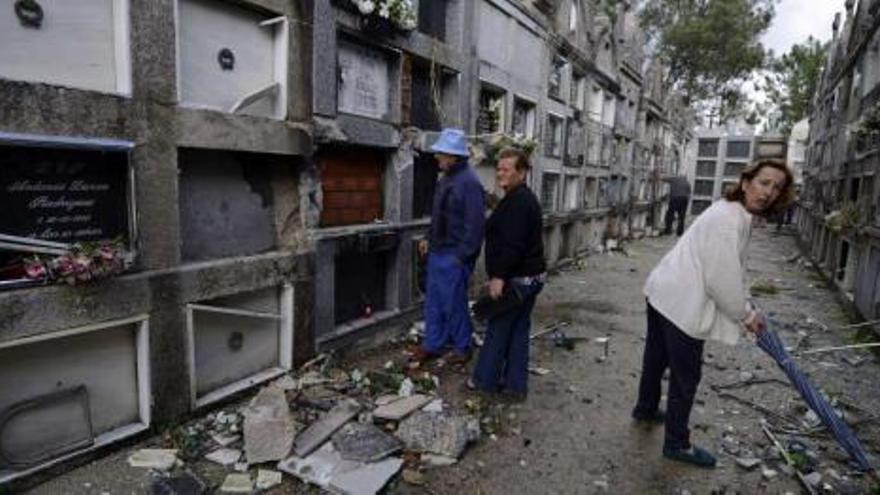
71, 391
239, 341
361, 275
227, 202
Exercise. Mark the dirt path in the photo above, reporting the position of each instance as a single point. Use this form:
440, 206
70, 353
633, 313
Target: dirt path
574, 433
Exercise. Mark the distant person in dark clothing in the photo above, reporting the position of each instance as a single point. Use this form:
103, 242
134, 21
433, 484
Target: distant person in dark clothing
453, 245
514, 262
679, 195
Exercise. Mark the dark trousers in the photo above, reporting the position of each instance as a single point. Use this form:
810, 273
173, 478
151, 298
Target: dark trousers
504, 357
677, 207
667, 346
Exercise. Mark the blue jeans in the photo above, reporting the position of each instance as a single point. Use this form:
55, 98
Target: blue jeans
504, 357
447, 316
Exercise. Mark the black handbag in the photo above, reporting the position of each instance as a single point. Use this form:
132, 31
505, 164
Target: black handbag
487, 308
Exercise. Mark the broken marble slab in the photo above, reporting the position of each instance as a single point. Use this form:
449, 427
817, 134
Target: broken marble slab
269, 428
237, 483
224, 457
160, 459
438, 433
326, 468
316, 434
266, 479
364, 442
399, 409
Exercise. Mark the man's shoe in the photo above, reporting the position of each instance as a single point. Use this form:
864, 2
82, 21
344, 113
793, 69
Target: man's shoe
693, 455
659, 417
420, 354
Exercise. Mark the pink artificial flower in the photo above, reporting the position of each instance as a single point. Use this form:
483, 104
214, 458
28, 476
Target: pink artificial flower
35, 270
106, 252
64, 265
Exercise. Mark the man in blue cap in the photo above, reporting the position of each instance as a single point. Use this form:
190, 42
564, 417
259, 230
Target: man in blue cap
453, 245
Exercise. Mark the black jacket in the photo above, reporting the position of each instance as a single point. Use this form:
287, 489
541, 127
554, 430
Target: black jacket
514, 241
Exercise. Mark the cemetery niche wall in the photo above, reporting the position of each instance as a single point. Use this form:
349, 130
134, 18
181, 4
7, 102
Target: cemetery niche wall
58, 194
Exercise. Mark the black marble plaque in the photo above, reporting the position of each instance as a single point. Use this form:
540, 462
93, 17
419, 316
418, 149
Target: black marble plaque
63, 194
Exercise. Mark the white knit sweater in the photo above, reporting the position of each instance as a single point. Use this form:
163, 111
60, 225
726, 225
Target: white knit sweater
700, 284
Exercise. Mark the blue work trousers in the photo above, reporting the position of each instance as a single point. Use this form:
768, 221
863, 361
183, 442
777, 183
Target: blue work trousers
447, 316
504, 357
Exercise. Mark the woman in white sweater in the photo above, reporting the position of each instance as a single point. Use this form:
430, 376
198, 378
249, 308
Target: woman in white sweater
698, 292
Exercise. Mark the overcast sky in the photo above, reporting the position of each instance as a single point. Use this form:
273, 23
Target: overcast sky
797, 19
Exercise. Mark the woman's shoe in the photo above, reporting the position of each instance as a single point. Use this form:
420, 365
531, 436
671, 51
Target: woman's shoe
693, 455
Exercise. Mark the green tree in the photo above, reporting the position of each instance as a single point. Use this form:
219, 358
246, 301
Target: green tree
711, 47
791, 82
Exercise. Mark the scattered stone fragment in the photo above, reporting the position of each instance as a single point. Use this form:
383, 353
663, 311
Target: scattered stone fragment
321, 430
813, 479
537, 370
224, 457
161, 459
435, 405
384, 400
327, 469
437, 460
442, 433
225, 440
286, 382
769, 474
237, 483
748, 463
407, 387
364, 442
267, 478
269, 428
854, 360
399, 409
367, 479
601, 484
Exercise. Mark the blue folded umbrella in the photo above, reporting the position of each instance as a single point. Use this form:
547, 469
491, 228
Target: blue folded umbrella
770, 342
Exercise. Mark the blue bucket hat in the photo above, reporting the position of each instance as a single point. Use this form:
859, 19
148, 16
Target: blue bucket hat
451, 142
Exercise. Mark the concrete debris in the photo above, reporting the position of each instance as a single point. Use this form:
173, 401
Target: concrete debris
326, 468
854, 360
537, 370
267, 479
769, 474
160, 459
401, 408
748, 463
286, 382
224, 457
237, 483
225, 440
813, 479
443, 433
316, 434
364, 443
435, 405
601, 484
384, 400
269, 428
406, 388
437, 460
604, 342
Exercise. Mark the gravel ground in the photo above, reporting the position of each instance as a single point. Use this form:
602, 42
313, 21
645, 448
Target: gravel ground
574, 434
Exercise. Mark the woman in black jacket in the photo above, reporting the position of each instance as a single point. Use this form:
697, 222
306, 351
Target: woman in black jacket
514, 262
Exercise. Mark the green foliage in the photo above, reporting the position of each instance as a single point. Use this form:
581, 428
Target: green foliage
710, 46
791, 82
843, 219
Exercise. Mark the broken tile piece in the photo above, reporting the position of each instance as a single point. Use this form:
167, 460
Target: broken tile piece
224, 457
161, 459
318, 467
368, 479
437, 460
321, 430
266, 479
443, 433
402, 408
237, 483
748, 463
269, 428
224, 440
364, 442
